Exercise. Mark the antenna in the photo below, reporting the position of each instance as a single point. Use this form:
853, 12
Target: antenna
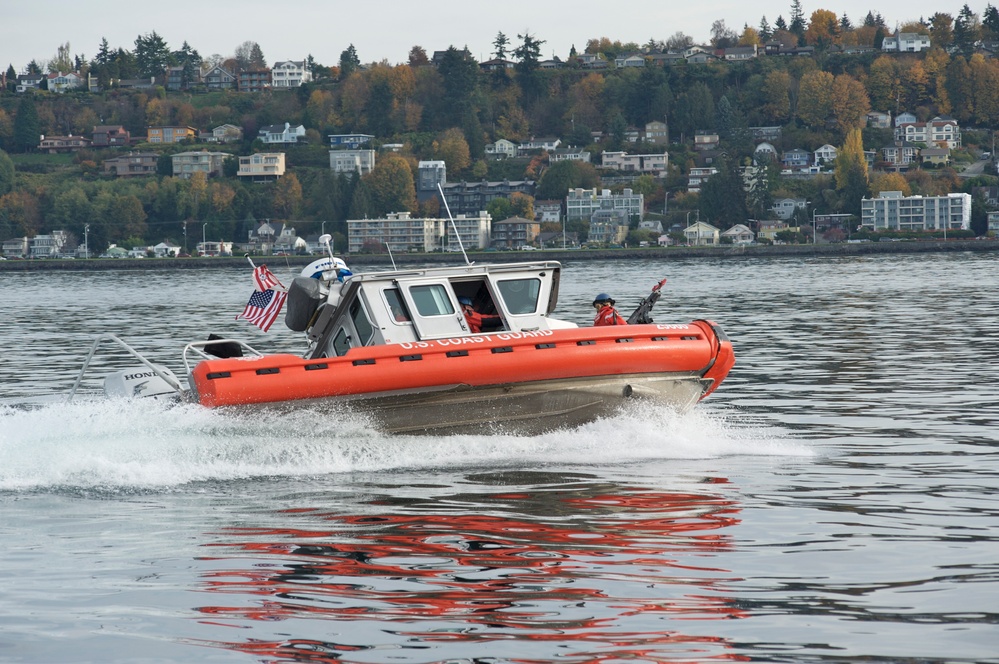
448, 208
391, 257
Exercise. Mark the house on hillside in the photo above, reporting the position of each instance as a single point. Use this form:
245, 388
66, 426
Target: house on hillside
262, 167
739, 234
170, 134
186, 164
701, 233
281, 134
56, 144
219, 78
290, 74
110, 136
501, 149
132, 165
905, 42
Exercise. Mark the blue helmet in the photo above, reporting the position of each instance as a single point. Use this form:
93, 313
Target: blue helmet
467, 301
603, 297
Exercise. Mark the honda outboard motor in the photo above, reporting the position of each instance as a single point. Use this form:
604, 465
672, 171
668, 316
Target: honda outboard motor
138, 383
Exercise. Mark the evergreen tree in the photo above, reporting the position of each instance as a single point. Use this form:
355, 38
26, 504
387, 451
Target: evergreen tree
27, 126
990, 22
844, 24
723, 196
528, 56
6, 173
500, 45
11, 78
349, 62
765, 31
797, 25
779, 24
152, 56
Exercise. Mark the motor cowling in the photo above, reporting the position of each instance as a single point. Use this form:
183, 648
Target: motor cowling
139, 383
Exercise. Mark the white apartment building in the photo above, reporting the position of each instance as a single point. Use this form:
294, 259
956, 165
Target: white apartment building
361, 162
403, 232
640, 163
933, 133
290, 74
893, 211
698, 176
262, 166
580, 204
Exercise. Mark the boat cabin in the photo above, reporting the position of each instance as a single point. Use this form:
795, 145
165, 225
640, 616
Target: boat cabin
416, 305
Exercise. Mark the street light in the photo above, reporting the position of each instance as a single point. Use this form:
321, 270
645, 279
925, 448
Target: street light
204, 242
86, 244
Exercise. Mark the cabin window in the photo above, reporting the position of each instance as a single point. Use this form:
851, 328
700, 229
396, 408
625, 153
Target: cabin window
341, 342
361, 323
520, 295
396, 306
431, 300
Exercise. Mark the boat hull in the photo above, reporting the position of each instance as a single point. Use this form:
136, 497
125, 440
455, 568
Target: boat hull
523, 382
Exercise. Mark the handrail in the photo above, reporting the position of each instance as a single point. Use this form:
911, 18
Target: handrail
196, 346
107, 336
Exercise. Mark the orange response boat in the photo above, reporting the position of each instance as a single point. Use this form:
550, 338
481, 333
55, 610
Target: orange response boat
396, 347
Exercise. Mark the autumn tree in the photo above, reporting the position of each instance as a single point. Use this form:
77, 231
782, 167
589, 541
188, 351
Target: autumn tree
776, 97
418, 57
850, 104
287, 197
815, 97
823, 29
390, 186
941, 30
452, 148
889, 182
851, 172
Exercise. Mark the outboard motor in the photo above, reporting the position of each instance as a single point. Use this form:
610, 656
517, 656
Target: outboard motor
304, 297
138, 383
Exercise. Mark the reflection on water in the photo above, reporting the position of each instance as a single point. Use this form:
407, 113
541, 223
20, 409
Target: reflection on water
564, 561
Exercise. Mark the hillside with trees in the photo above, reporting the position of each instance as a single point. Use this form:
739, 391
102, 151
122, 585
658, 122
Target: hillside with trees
448, 107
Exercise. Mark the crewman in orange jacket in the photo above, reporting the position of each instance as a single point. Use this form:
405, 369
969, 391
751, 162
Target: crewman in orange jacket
606, 313
473, 317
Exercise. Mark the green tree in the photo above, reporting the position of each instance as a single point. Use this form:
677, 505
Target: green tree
152, 56
349, 62
7, 173
27, 127
723, 196
563, 176
528, 56
500, 45
499, 208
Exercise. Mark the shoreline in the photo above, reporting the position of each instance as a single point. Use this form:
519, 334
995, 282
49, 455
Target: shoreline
665, 253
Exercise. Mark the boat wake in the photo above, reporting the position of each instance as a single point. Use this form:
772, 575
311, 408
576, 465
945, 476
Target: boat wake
144, 444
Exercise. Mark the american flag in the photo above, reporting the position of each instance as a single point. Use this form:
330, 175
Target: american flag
264, 307
264, 279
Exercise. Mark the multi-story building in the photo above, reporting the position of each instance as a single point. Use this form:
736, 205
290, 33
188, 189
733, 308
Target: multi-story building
580, 204
636, 163
501, 149
170, 134
656, 132
785, 208
402, 232
219, 78
515, 232
470, 197
226, 133
262, 167
47, 246
254, 80
906, 42
697, 176
132, 164
938, 132
361, 162
608, 227
893, 211
429, 174
186, 164
290, 74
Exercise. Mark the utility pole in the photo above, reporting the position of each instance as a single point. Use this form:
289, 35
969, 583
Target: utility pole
86, 243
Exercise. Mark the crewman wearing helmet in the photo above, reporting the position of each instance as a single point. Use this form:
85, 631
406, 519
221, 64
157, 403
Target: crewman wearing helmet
474, 318
606, 313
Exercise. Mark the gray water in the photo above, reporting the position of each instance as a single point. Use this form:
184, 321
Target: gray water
834, 501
